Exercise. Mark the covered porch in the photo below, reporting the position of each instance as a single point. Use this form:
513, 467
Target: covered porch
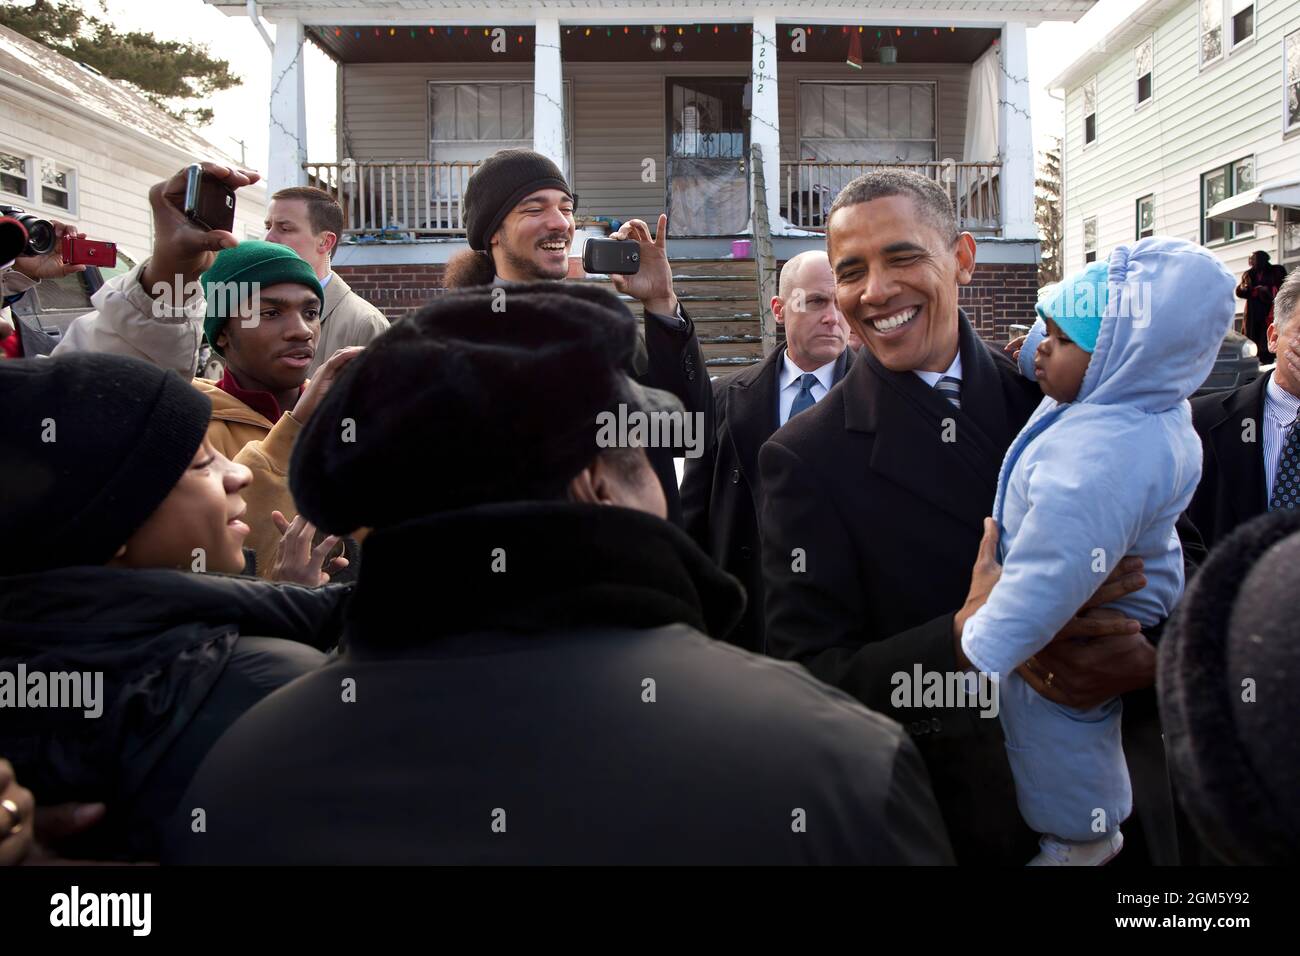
647, 117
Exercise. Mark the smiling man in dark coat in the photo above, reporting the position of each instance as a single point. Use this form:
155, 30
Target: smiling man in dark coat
720, 490
561, 702
873, 508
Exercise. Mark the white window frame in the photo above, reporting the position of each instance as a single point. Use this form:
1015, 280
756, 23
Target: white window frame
71, 208
1233, 231
1095, 243
1083, 91
1292, 261
934, 103
1229, 16
1137, 215
21, 199
1137, 78
1200, 35
1287, 127
516, 81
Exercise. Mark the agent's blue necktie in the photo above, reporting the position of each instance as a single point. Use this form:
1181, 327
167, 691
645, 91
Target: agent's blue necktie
804, 399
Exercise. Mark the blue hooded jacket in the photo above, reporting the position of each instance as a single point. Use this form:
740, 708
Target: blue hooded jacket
1087, 482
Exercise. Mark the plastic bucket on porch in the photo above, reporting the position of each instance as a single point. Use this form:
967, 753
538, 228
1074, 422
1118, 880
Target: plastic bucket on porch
742, 248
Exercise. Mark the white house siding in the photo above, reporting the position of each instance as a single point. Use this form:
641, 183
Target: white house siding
1197, 120
114, 171
617, 113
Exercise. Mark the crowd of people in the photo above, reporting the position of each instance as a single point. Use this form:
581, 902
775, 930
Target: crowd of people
386, 595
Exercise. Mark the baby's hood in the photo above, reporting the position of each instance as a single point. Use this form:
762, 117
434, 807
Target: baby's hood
1170, 305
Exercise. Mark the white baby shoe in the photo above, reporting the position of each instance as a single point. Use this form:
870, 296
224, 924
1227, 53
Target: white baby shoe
1053, 851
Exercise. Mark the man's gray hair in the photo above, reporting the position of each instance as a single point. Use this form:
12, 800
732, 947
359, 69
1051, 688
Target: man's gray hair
1284, 303
931, 199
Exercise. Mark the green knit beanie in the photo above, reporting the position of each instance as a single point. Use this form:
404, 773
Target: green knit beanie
235, 269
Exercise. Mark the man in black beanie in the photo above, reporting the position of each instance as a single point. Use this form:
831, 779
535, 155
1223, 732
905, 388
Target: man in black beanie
527, 676
520, 227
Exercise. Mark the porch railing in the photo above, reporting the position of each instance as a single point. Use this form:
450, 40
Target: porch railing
396, 199
809, 187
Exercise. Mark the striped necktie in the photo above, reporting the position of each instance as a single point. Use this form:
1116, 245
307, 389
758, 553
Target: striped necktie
1286, 482
949, 388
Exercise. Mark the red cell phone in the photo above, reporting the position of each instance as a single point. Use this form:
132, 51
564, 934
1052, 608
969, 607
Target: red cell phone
89, 252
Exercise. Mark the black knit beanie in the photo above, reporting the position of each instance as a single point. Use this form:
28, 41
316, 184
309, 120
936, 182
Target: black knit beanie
485, 395
505, 177
1227, 680
90, 445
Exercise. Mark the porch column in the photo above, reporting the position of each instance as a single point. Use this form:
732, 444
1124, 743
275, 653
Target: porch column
1015, 136
288, 131
548, 94
764, 125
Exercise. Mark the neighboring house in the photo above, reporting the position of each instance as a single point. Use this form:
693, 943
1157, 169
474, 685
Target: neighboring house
82, 148
654, 109
1184, 120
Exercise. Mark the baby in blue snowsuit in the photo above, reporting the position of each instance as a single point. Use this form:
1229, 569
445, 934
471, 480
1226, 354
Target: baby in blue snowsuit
1102, 469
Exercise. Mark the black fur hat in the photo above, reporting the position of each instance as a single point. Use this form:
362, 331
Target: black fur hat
486, 394
1229, 685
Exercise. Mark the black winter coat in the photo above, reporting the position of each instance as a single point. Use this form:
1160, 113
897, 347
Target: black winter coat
557, 703
182, 655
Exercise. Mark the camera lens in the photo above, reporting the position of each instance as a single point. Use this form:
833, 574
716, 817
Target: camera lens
40, 235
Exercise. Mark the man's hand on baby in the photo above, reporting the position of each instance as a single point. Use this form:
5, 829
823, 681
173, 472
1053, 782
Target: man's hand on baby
1100, 653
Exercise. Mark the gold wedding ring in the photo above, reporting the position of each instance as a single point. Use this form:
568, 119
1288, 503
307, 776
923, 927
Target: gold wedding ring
16, 821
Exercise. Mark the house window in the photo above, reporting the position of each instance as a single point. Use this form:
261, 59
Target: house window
1211, 20
1242, 14
1146, 216
1090, 239
14, 175
1145, 56
1216, 186
867, 122
56, 184
1291, 236
1090, 111
468, 122
1291, 83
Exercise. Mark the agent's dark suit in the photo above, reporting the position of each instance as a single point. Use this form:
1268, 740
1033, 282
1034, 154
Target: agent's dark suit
871, 522
720, 489
1232, 488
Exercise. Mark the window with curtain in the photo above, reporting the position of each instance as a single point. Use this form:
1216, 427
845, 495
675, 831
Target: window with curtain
1090, 111
1144, 56
470, 121
870, 122
1241, 14
1211, 27
1217, 185
1291, 83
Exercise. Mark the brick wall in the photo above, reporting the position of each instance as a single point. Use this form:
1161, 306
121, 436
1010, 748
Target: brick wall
1000, 294
397, 291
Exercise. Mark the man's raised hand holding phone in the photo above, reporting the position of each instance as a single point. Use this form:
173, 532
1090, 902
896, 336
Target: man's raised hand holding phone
182, 247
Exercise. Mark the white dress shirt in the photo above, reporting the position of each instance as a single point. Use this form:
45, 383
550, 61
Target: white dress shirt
932, 378
1280, 408
789, 384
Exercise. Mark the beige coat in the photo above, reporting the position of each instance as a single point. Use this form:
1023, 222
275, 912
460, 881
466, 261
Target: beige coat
347, 319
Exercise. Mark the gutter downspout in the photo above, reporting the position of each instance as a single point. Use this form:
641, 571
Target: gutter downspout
257, 22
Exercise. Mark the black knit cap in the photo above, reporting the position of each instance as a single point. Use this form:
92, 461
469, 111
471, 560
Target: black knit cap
505, 177
1227, 671
89, 447
485, 395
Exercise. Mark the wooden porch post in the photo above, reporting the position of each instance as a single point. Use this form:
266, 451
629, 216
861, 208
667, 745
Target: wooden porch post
288, 123
764, 125
548, 94
1015, 137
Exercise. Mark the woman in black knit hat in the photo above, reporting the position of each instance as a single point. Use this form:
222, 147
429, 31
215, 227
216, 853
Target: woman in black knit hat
110, 498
